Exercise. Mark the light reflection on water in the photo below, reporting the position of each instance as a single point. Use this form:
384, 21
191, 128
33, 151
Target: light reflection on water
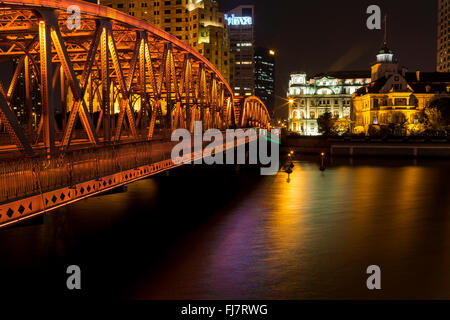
312, 237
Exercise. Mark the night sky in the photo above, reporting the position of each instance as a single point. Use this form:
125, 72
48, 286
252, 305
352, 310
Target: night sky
321, 35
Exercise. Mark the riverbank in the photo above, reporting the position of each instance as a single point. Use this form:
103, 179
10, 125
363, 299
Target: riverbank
366, 147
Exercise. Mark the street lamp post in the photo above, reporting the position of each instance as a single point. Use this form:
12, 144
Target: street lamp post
291, 103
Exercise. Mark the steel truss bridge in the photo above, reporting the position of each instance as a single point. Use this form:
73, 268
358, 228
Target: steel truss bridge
104, 99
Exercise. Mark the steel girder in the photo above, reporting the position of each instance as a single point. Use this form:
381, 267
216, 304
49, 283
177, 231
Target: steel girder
138, 80
254, 113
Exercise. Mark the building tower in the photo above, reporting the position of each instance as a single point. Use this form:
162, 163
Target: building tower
198, 23
240, 22
443, 45
385, 65
265, 76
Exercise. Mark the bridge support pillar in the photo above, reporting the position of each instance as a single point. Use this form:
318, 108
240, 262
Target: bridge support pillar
48, 109
105, 85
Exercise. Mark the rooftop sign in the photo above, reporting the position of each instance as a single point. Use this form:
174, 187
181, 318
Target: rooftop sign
238, 21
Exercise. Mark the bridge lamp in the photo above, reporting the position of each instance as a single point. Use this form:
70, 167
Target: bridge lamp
291, 101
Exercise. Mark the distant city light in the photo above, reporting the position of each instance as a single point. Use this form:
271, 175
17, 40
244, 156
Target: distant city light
272, 52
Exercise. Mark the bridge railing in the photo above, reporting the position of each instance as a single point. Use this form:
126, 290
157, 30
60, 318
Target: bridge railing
28, 176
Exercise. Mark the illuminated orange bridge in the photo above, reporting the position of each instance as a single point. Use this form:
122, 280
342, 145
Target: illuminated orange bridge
90, 109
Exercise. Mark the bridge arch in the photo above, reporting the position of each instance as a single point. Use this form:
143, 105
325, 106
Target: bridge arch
254, 113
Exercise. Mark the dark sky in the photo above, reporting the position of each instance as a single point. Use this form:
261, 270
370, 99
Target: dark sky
321, 35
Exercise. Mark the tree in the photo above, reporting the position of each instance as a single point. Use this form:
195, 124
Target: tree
443, 106
326, 123
342, 125
436, 117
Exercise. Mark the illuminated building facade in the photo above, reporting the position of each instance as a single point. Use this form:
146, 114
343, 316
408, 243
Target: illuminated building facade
265, 76
240, 23
327, 92
396, 97
198, 23
443, 37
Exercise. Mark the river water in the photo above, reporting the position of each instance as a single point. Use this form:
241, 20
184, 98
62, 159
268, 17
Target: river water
229, 233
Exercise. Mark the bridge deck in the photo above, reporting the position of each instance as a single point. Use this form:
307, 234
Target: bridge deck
33, 186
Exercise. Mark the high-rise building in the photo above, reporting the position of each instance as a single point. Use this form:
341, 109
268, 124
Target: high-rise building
198, 23
240, 23
443, 37
265, 76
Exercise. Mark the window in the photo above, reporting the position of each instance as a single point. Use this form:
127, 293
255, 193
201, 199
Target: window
167, 3
375, 119
166, 11
178, 11
179, 29
120, 5
167, 20
167, 29
131, 5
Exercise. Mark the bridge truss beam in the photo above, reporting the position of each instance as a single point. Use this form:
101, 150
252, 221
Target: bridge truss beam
123, 78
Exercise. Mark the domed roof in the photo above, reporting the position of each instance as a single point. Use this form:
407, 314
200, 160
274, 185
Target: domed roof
385, 49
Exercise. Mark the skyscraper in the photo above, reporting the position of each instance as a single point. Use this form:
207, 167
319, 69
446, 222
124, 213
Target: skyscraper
198, 23
265, 76
443, 37
240, 23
